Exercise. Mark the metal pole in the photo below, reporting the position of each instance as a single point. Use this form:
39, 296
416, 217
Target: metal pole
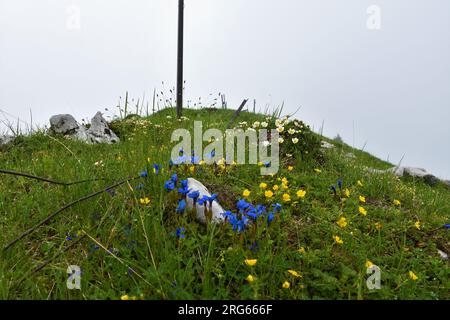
180, 58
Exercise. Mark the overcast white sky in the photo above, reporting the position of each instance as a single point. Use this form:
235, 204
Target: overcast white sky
391, 85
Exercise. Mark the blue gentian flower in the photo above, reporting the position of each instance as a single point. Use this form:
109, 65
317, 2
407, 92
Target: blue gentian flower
181, 159
252, 214
140, 186
333, 188
156, 168
339, 183
169, 185
194, 196
171, 164
174, 178
184, 183
211, 155
242, 205
276, 207
144, 174
232, 219
260, 209
181, 152
270, 218
180, 233
447, 226
195, 160
212, 198
181, 206
267, 164
184, 191
203, 200
241, 224
227, 214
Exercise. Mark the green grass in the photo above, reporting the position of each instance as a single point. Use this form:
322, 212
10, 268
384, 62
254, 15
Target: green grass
209, 262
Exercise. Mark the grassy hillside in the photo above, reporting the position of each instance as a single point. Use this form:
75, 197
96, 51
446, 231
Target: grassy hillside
317, 247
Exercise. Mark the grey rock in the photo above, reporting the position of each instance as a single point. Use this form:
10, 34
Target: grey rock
327, 145
216, 208
99, 132
350, 155
443, 255
377, 171
431, 180
420, 173
415, 172
64, 124
4, 140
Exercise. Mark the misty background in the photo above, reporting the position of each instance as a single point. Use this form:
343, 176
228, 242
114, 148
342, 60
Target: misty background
387, 88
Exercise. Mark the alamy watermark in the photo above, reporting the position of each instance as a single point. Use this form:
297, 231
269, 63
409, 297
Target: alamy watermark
374, 17
374, 281
74, 279
228, 147
73, 21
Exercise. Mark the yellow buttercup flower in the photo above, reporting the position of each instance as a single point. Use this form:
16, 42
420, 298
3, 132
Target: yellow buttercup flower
417, 225
397, 203
284, 181
338, 240
286, 285
378, 226
290, 168
294, 273
125, 297
268, 194
263, 185
144, 201
362, 211
251, 262
342, 222
284, 186
246, 193
301, 194
201, 162
260, 164
413, 276
347, 193
286, 197
192, 169
250, 278
360, 184
362, 199
301, 250
369, 264
317, 170
275, 188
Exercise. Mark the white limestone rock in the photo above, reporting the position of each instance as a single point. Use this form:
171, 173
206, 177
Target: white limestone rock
217, 210
99, 132
4, 140
327, 145
64, 124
